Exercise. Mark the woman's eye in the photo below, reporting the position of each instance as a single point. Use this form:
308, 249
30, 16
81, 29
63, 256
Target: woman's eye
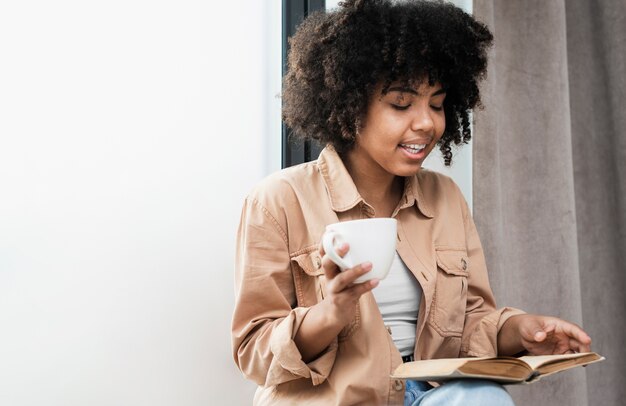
400, 107
437, 108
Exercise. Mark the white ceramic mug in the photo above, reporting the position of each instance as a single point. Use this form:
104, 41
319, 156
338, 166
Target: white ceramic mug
371, 240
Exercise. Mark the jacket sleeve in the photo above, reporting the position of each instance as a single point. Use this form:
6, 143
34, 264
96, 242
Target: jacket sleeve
266, 317
482, 320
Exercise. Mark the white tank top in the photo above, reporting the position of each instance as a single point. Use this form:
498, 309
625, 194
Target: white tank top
398, 297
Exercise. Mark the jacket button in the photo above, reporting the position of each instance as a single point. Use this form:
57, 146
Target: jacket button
464, 264
398, 385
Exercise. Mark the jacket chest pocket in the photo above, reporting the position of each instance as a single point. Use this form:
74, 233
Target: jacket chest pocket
447, 313
307, 276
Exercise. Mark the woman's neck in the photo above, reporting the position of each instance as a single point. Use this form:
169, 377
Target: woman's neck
380, 189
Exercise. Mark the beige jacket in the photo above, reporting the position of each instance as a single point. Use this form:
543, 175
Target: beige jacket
279, 276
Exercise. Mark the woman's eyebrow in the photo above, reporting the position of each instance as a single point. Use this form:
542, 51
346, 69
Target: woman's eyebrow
413, 91
402, 90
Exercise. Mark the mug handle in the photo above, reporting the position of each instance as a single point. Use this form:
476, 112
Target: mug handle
328, 242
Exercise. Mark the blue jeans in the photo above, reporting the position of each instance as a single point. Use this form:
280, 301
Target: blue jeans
466, 392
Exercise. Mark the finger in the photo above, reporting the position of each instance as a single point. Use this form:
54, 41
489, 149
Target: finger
347, 277
539, 336
585, 347
578, 346
574, 345
544, 334
322, 251
532, 330
360, 288
328, 263
343, 249
574, 331
549, 327
331, 270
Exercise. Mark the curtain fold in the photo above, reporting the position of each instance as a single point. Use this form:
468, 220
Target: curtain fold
550, 178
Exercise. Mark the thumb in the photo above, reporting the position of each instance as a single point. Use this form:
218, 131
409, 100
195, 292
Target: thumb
539, 336
534, 330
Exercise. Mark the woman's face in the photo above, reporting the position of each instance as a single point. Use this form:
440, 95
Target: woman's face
400, 129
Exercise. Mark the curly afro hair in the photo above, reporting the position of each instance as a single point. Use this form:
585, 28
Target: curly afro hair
338, 58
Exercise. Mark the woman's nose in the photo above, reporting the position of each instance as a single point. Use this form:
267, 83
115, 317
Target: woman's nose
422, 121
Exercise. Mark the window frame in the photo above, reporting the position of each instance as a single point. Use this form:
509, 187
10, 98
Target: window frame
296, 151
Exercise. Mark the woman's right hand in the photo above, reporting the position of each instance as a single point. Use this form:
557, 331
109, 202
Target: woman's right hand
325, 320
342, 294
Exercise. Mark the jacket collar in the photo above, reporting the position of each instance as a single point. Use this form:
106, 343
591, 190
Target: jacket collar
344, 194
413, 195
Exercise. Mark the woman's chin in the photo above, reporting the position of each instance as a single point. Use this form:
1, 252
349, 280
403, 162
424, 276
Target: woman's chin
411, 170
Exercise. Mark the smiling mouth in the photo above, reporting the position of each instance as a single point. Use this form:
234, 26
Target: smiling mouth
413, 148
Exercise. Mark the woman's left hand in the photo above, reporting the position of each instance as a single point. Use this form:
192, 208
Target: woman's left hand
544, 335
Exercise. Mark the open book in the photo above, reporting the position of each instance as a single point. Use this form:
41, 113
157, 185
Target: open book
506, 370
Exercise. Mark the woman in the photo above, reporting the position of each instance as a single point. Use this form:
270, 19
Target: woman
381, 83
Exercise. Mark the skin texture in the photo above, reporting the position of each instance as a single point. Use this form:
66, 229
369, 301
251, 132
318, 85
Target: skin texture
541, 335
404, 115
377, 164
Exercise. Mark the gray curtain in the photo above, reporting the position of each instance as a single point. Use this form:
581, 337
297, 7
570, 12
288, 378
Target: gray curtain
550, 178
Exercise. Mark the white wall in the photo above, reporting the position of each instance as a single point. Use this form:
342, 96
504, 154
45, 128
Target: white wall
129, 133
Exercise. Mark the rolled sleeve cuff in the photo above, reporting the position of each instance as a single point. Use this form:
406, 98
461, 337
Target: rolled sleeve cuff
287, 363
483, 342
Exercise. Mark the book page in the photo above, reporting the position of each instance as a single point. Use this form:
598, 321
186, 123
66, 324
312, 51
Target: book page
505, 370
510, 368
431, 367
536, 362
